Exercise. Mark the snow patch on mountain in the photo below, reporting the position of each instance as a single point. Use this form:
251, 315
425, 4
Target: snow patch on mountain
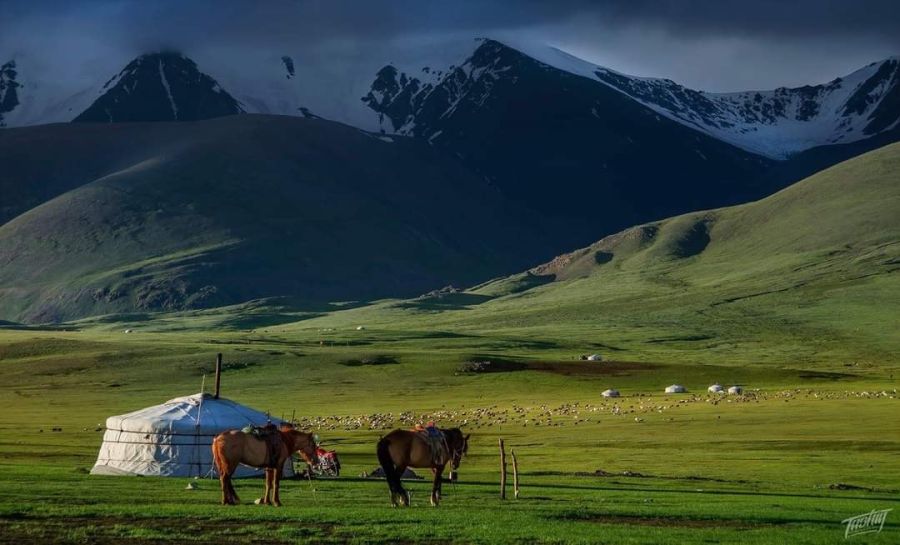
400, 99
775, 123
165, 84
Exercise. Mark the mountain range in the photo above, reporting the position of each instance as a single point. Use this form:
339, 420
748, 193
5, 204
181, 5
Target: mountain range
149, 202
774, 123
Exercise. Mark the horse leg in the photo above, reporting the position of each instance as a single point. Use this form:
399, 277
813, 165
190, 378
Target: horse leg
229, 482
393, 484
225, 471
387, 466
223, 480
265, 497
276, 487
232, 497
402, 492
438, 472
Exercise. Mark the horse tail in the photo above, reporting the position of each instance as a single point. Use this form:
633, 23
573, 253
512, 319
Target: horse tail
218, 460
387, 463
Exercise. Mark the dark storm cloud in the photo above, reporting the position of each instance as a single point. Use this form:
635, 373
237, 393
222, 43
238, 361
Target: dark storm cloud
314, 20
693, 41
787, 19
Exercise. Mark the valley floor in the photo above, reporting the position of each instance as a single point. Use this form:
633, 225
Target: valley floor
786, 463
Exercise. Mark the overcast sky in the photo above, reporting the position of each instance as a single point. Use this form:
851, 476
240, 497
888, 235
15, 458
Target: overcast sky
717, 45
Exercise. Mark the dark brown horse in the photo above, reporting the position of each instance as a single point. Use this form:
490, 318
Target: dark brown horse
406, 448
232, 448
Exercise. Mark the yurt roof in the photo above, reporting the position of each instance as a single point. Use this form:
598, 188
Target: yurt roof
194, 414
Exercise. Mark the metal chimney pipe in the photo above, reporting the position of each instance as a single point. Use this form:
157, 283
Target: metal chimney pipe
218, 374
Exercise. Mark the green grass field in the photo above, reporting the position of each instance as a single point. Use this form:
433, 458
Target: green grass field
756, 469
794, 297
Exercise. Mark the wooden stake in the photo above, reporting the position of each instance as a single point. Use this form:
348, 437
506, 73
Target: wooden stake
515, 474
502, 471
218, 373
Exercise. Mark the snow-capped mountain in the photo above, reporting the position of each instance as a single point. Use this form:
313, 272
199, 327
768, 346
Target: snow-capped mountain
564, 145
9, 94
281, 82
784, 121
776, 124
160, 87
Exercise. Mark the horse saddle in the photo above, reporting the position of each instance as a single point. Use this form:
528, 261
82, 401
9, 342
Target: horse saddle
434, 438
272, 438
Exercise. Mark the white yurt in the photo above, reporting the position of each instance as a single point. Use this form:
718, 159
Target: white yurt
595, 357
610, 393
715, 389
676, 389
174, 439
735, 390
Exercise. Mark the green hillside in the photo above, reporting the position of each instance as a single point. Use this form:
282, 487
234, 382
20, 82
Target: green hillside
793, 297
166, 217
806, 275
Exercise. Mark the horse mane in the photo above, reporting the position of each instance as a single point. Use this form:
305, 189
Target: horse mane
453, 434
290, 436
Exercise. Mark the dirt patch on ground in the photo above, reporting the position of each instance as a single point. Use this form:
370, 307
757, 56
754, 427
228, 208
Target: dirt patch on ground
473, 367
589, 368
106, 530
635, 474
379, 359
825, 375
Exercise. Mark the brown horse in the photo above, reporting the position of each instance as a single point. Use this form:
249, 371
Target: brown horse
232, 448
404, 448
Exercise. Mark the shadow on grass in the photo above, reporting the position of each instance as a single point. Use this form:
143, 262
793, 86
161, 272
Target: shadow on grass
452, 301
256, 321
659, 490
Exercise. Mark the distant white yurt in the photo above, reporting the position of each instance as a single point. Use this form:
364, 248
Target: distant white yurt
610, 393
676, 389
595, 357
715, 389
735, 390
173, 439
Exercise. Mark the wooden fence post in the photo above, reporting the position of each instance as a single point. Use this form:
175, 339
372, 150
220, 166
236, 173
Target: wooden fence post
515, 474
502, 471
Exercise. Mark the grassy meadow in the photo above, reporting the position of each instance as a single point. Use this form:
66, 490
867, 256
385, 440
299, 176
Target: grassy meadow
784, 464
794, 297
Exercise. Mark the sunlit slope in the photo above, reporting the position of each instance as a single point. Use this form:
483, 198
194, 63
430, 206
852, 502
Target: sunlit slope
809, 273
